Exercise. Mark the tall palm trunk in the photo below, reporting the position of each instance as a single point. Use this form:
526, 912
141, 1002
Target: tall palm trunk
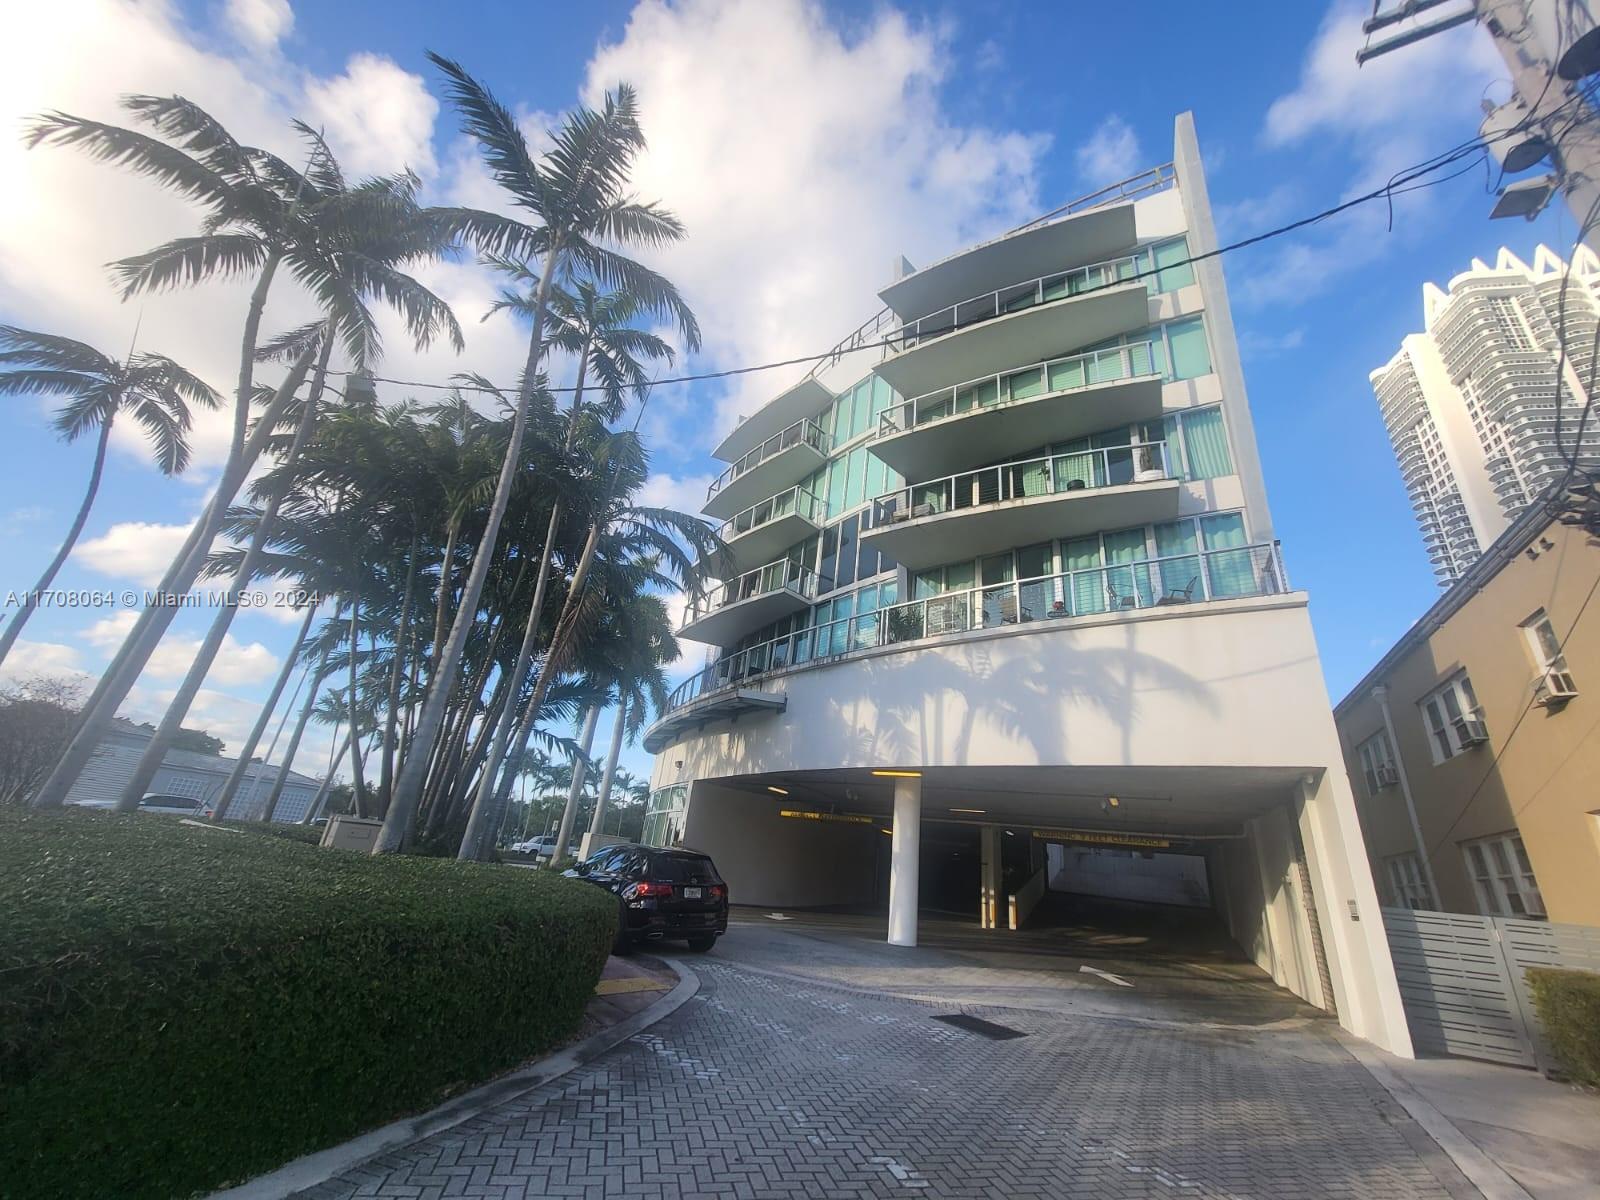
617, 733
498, 796
357, 783
304, 719
391, 720
586, 740
327, 782
129, 662
446, 567
172, 720
500, 732
30, 600
236, 776
408, 791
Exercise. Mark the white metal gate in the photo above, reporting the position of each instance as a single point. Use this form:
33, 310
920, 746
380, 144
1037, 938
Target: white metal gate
1463, 982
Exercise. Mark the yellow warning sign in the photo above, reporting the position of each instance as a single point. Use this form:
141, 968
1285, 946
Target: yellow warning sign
1131, 840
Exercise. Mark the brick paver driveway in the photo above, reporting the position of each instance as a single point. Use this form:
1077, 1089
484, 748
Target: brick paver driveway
765, 1085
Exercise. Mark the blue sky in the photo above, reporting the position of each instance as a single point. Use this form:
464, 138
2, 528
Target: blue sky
806, 146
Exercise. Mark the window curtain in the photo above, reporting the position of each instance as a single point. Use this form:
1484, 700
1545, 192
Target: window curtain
1190, 355
1180, 566
1230, 572
1205, 444
1122, 582
1024, 385
1067, 374
1170, 277
1177, 468
1082, 556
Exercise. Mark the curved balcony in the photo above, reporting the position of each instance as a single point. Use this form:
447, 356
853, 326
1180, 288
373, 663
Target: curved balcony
994, 508
742, 605
1008, 327
760, 533
1003, 414
785, 458
804, 399
731, 686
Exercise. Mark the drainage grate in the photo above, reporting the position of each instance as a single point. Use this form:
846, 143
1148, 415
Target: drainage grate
978, 1025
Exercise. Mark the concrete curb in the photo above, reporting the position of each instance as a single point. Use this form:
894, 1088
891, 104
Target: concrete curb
1482, 1171
317, 1168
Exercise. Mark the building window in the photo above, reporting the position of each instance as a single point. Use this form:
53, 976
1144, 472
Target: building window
664, 816
1377, 763
1555, 683
1503, 877
1454, 721
1409, 888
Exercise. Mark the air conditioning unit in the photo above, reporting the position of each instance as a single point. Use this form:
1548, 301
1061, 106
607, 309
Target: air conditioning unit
1470, 731
1556, 687
1387, 775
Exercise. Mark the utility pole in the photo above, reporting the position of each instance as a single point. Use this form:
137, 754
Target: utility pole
1549, 47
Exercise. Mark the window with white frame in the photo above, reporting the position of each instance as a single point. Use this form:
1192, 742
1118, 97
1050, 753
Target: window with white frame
1503, 877
1406, 881
1544, 647
1454, 721
1377, 762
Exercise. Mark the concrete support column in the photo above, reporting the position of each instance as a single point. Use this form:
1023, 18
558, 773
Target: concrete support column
907, 843
991, 904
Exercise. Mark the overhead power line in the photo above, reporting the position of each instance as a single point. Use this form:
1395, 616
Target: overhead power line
1397, 185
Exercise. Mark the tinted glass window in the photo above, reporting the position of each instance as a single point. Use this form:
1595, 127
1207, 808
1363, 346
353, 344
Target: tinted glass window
680, 868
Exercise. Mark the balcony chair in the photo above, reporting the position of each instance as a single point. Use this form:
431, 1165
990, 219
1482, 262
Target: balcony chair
1179, 595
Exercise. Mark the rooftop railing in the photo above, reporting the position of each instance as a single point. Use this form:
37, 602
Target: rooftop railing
791, 500
1139, 462
774, 577
1024, 383
803, 432
1017, 296
1168, 582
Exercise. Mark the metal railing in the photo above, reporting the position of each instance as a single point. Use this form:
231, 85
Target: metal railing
804, 431
774, 577
1156, 179
1170, 581
1050, 377
1139, 462
791, 500
1015, 297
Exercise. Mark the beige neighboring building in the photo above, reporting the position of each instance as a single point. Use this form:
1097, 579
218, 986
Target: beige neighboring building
1477, 738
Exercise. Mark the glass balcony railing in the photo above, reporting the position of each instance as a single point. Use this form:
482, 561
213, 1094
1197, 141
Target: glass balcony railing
1172, 581
1017, 296
1053, 376
795, 500
803, 432
783, 575
1140, 462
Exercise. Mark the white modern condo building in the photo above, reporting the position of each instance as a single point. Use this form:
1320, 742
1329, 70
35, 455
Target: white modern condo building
1002, 602
1471, 403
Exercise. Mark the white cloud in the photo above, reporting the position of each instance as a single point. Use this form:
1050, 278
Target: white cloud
1111, 153
1386, 116
28, 660
236, 662
375, 116
802, 161
107, 633
260, 23
136, 550
686, 494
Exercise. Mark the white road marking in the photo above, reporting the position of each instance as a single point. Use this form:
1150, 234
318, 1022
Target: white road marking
1116, 979
778, 917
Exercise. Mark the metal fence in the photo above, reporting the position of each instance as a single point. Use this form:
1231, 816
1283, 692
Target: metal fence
1463, 980
803, 432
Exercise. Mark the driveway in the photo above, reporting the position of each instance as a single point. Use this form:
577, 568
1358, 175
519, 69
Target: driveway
814, 1062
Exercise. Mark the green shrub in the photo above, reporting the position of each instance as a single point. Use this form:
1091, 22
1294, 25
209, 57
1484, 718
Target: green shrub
1568, 1004
182, 1008
311, 835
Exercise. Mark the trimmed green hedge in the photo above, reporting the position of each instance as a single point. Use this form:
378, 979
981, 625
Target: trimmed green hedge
311, 835
183, 1008
1568, 1004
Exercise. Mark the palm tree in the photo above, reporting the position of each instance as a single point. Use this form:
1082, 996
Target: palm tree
576, 196
261, 215
596, 329
150, 388
362, 262
640, 642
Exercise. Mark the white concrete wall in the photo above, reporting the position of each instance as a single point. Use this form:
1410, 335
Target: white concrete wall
1234, 684
777, 861
1128, 875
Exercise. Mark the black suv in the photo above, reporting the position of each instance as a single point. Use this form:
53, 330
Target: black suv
661, 894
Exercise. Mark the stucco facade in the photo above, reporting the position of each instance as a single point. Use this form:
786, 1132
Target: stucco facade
1537, 773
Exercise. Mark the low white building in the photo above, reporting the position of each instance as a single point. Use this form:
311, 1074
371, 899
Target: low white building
186, 773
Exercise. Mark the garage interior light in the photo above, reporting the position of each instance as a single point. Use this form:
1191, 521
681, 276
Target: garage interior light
777, 791
898, 774
967, 810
